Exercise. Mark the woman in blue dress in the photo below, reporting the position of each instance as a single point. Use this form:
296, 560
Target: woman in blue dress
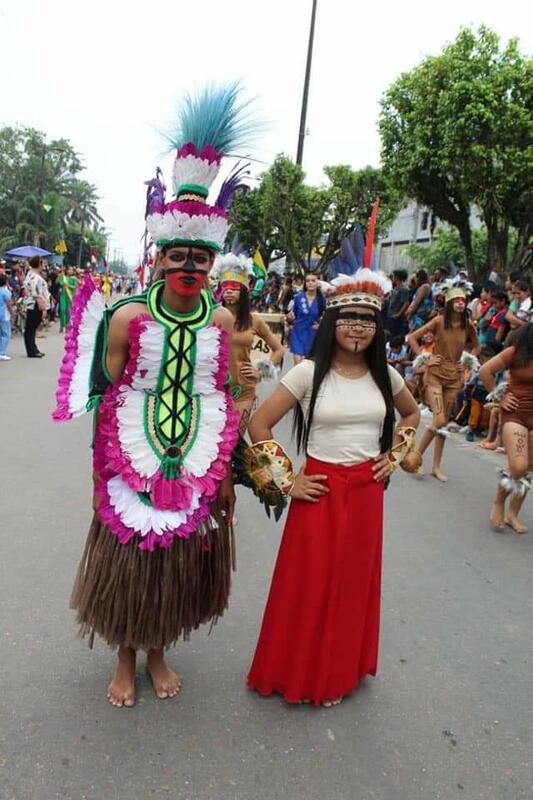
308, 307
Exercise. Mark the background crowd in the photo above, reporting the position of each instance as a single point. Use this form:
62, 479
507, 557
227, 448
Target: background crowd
497, 307
34, 294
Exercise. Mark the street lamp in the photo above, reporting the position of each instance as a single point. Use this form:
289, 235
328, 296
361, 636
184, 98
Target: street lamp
301, 135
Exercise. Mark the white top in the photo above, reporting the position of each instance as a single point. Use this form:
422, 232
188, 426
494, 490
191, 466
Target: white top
35, 286
349, 413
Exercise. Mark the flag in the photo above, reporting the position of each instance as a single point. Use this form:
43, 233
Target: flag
370, 234
258, 265
142, 274
47, 207
61, 247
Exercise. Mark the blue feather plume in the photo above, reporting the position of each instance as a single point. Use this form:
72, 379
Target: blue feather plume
217, 116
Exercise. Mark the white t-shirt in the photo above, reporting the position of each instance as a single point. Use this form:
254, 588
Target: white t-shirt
348, 416
524, 311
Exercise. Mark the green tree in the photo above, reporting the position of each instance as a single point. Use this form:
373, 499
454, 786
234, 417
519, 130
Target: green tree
285, 216
41, 195
446, 247
457, 131
82, 199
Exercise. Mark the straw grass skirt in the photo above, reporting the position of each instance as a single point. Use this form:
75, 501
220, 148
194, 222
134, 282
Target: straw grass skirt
149, 599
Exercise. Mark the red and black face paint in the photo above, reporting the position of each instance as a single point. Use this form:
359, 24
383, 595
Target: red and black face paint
231, 286
190, 277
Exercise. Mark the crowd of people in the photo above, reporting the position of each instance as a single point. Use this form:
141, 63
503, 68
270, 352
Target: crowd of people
172, 434
424, 350
35, 294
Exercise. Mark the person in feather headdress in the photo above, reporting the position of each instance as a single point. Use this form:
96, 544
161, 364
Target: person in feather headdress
231, 273
453, 333
159, 553
320, 629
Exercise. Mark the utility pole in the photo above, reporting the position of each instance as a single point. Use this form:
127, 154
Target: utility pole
303, 117
44, 150
37, 234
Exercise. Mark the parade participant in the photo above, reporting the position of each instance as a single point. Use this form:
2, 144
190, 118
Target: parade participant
320, 629
35, 302
68, 284
107, 286
158, 558
308, 307
442, 380
516, 425
232, 273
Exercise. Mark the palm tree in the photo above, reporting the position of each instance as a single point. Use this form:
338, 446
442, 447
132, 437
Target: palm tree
82, 199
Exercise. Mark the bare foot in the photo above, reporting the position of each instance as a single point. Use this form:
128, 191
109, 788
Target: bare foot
165, 681
489, 445
515, 524
121, 690
439, 475
497, 516
332, 703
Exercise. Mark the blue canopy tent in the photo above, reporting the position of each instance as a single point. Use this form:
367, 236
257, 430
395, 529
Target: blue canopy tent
26, 251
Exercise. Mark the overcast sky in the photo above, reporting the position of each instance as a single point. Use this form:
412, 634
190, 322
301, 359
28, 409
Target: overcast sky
107, 75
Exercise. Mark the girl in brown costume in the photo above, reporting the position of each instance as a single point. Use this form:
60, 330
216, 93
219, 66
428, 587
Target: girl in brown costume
517, 425
453, 333
233, 272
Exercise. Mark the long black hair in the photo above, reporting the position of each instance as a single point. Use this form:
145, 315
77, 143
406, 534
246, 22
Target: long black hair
449, 312
522, 341
243, 317
322, 353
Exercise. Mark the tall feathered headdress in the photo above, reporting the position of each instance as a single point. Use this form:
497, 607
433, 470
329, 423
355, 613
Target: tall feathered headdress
210, 125
365, 288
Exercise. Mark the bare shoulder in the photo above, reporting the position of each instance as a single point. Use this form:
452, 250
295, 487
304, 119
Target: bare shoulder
222, 318
128, 311
121, 318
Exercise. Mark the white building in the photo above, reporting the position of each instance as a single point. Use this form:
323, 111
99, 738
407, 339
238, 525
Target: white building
415, 224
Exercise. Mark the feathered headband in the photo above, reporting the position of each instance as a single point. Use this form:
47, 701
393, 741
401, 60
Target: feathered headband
453, 288
210, 125
230, 267
365, 288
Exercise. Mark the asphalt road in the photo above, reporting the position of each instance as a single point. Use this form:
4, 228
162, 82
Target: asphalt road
449, 715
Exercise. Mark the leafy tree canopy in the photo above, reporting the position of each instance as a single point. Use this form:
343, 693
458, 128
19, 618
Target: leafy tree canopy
457, 130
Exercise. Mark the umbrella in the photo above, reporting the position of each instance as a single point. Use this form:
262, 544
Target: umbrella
27, 251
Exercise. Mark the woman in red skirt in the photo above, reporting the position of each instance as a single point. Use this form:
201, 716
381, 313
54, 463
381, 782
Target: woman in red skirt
320, 629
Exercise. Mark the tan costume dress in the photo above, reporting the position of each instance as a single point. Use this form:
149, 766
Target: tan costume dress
243, 388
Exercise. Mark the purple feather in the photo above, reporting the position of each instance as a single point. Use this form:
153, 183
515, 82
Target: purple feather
232, 185
155, 194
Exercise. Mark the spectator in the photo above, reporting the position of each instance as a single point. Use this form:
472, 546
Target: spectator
440, 274
398, 354
475, 396
522, 308
5, 317
421, 305
483, 310
286, 295
398, 304
498, 327
35, 303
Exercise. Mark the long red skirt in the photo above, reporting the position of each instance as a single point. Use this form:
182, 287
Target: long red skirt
320, 629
